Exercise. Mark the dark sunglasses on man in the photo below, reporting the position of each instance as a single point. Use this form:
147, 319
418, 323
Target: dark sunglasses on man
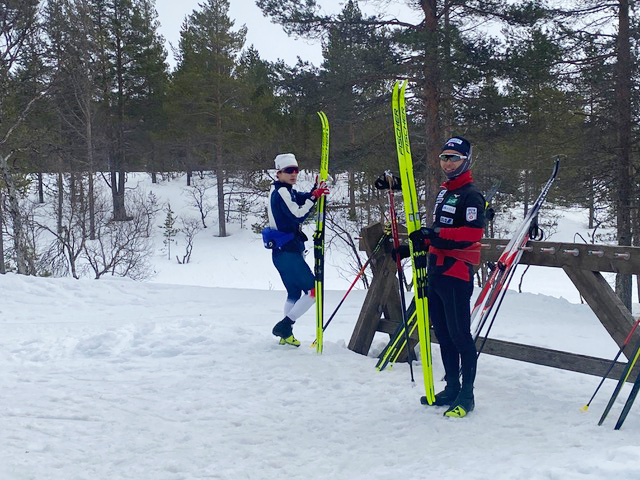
290, 170
452, 157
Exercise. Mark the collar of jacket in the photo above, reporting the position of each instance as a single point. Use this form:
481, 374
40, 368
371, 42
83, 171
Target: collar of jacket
279, 184
459, 181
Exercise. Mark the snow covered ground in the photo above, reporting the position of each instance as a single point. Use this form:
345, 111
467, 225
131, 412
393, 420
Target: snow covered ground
180, 378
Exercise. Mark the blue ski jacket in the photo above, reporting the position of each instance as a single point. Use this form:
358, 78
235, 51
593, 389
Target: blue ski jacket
288, 209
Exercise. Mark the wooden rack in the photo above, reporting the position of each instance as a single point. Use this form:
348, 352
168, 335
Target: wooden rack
583, 264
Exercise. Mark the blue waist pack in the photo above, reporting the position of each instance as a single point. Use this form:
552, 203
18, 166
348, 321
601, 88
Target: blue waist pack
274, 239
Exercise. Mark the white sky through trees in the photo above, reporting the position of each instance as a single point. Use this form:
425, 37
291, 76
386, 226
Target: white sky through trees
268, 38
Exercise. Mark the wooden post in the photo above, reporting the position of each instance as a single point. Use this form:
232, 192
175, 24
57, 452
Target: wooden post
604, 302
382, 296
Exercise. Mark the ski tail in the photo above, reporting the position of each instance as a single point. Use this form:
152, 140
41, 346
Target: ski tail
318, 237
397, 342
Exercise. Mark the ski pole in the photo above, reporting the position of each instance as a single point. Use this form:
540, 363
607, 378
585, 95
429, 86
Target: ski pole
623, 378
613, 363
396, 245
364, 267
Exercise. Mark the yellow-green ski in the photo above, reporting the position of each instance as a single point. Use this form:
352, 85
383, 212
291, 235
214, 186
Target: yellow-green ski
318, 237
397, 341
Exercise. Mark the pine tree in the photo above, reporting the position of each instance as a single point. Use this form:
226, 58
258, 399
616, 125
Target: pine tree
169, 231
205, 92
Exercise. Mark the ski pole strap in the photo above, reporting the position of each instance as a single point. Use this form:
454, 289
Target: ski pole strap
535, 232
382, 182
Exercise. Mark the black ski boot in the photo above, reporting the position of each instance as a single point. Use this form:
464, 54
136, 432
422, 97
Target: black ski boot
445, 397
463, 404
283, 328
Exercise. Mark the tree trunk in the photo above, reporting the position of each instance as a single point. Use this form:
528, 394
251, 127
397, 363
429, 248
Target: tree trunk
60, 184
117, 196
433, 135
222, 225
19, 237
352, 196
92, 209
89, 146
118, 170
592, 203
623, 155
3, 267
40, 188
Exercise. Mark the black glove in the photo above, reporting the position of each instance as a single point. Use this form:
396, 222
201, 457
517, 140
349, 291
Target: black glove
403, 250
429, 233
489, 213
419, 236
417, 240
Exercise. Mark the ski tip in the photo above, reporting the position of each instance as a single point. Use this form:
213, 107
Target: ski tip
585, 408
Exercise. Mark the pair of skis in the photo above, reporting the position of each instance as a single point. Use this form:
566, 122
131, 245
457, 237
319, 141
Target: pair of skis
494, 289
318, 236
418, 257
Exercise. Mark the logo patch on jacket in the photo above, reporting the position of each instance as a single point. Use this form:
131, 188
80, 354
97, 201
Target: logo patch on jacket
446, 220
448, 209
452, 200
472, 214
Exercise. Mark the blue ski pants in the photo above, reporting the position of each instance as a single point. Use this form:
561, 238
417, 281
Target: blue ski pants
295, 273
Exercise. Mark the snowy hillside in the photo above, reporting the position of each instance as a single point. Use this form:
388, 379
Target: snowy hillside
180, 378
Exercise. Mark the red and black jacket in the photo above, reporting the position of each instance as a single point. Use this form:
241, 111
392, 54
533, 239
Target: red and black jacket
458, 217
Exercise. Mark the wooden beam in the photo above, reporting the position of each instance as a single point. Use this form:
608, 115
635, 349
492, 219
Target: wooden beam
609, 309
596, 258
541, 356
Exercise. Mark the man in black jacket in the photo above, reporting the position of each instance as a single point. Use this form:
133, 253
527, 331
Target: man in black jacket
454, 248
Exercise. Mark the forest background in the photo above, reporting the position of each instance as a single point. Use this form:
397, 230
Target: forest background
86, 94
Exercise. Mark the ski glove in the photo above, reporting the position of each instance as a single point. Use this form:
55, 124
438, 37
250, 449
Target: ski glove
403, 250
319, 190
419, 237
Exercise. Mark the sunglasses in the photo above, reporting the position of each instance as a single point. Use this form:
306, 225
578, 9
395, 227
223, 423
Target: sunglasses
290, 170
452, 157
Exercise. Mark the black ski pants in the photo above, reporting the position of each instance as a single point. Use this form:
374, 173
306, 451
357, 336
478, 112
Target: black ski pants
450, 315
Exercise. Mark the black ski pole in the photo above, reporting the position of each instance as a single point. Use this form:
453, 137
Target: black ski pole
613, 363
621, 381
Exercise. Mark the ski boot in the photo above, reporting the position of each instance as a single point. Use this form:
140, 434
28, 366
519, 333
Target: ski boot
462, 405
284, 330
445, 397
290, 341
